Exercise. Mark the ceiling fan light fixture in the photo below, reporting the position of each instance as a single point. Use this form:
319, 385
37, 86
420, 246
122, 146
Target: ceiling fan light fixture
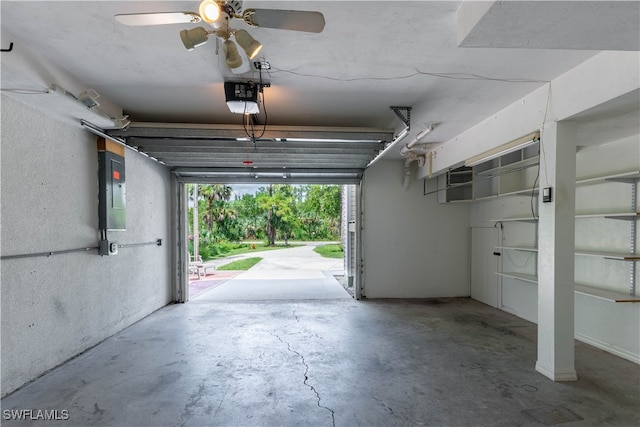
209, 11
250, 45
231, 56
194, 37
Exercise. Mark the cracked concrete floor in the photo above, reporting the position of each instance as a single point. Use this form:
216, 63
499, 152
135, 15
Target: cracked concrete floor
444, 362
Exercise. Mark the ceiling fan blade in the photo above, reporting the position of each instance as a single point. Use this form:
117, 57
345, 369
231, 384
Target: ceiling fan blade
159, 18
296, 20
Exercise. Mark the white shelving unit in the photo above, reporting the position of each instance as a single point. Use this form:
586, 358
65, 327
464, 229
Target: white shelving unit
456, 185
631, 257
511, 174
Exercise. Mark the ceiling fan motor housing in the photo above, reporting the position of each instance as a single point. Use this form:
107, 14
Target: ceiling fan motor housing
242, 97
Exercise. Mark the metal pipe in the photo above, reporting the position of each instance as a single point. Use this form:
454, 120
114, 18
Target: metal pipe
634, 233
393, 143
418, 137
48, 254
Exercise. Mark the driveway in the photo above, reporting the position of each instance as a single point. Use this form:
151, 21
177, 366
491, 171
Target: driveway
296, 273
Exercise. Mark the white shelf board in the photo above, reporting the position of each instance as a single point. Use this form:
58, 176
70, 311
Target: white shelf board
622, 215
610, 255
487, 172
522, 164
599, 254
491, 196
459, 184
600, 179
504, 169
526, 192
518, 219
518, 248
524, 277
605, 294
581, 289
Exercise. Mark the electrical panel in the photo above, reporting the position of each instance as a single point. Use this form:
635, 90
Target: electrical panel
112, 214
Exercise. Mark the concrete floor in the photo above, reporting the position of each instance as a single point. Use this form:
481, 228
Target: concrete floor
294, 285
445, 362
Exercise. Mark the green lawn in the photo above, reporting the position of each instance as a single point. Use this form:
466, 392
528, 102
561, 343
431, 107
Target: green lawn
241, 264
330, 251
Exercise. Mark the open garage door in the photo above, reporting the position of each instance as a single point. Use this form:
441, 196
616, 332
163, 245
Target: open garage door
285, 270
275, 154
229, 154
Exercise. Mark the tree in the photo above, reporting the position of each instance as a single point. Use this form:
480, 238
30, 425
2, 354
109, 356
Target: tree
274, 212
217, 212
250, 218
277, 202
322, 207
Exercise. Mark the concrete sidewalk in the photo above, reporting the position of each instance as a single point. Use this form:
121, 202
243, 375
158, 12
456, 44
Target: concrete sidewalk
296, 273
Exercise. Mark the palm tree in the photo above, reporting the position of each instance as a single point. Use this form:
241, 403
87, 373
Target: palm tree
216, 195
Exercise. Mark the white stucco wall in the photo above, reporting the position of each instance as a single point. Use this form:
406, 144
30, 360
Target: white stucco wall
413, 247
55, 307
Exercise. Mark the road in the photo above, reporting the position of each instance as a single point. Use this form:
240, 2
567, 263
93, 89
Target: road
296, 273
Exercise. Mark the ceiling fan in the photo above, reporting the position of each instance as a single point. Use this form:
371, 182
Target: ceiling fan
218, 13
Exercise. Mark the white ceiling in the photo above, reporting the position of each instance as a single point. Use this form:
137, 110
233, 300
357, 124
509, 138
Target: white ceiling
371, 55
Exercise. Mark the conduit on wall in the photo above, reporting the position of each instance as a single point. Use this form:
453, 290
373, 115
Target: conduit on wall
157, 242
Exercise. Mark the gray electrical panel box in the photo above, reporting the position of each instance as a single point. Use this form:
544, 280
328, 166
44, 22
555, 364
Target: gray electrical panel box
112, 214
